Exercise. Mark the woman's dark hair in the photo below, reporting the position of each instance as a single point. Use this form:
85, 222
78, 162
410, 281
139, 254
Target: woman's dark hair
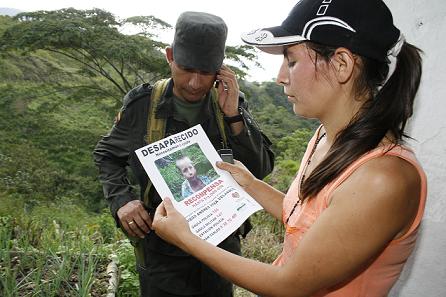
385, 110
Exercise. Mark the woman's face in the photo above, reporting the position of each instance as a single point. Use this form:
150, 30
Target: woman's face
309, 87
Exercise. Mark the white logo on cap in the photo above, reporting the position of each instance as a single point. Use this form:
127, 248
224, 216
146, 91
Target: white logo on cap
262, 36
320, 21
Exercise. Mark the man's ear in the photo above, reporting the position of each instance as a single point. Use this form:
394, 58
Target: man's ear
169, 54
343, 62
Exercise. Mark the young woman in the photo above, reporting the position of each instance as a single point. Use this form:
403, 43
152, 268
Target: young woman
353, 212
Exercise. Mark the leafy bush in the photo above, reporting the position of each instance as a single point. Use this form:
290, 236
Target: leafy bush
129, 281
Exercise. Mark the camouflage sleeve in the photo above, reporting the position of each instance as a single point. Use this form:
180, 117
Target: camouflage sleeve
111, 154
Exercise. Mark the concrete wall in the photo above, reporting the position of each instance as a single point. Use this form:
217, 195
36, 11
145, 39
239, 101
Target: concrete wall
424, 25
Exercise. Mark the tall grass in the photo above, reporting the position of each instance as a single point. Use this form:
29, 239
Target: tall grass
263, 243
62, 250
52, 250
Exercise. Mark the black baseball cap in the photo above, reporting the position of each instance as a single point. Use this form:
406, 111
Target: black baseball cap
199, 41
363, 26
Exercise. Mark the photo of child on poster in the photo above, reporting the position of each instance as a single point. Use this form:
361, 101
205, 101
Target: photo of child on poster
186, 171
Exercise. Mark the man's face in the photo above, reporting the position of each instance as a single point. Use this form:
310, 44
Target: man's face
186, 168
191, 85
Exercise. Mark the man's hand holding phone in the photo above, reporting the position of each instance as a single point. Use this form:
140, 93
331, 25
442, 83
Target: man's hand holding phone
228, 91
228, 94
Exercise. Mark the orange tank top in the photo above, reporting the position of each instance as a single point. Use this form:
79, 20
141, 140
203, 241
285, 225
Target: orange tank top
378, 278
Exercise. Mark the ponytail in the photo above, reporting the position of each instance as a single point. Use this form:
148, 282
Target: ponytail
401, 89
389, 106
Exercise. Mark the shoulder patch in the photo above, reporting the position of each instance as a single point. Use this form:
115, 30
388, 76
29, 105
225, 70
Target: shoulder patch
118, 117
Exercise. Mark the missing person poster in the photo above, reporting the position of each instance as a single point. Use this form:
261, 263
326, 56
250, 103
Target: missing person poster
182, 167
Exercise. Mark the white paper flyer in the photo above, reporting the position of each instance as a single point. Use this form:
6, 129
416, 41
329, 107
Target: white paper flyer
182, 167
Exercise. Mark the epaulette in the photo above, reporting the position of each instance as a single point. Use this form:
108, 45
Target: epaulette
141, 91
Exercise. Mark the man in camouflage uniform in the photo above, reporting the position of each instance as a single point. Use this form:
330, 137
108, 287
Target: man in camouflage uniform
195, 60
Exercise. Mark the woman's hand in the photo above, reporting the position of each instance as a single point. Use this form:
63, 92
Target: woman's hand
239, 172
170, 225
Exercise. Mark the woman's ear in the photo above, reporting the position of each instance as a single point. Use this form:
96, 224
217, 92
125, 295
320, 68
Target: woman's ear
169, 54
343, 62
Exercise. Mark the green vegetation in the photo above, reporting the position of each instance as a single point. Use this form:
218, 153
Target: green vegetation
60, 250
59, 92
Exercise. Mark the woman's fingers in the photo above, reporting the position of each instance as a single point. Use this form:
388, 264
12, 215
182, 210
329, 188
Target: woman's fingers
231, 168
238, 171
160, 212
168, 206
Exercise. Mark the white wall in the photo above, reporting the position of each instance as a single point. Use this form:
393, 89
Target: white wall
424, 25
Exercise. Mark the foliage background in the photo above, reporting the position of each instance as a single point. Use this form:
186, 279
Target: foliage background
56, 234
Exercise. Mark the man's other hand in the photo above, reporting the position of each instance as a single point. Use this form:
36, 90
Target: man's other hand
134, 219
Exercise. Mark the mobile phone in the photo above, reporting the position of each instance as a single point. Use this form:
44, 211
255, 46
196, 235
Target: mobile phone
226, 155
217, 82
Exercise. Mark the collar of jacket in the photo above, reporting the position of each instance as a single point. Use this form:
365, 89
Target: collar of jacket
165, 108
